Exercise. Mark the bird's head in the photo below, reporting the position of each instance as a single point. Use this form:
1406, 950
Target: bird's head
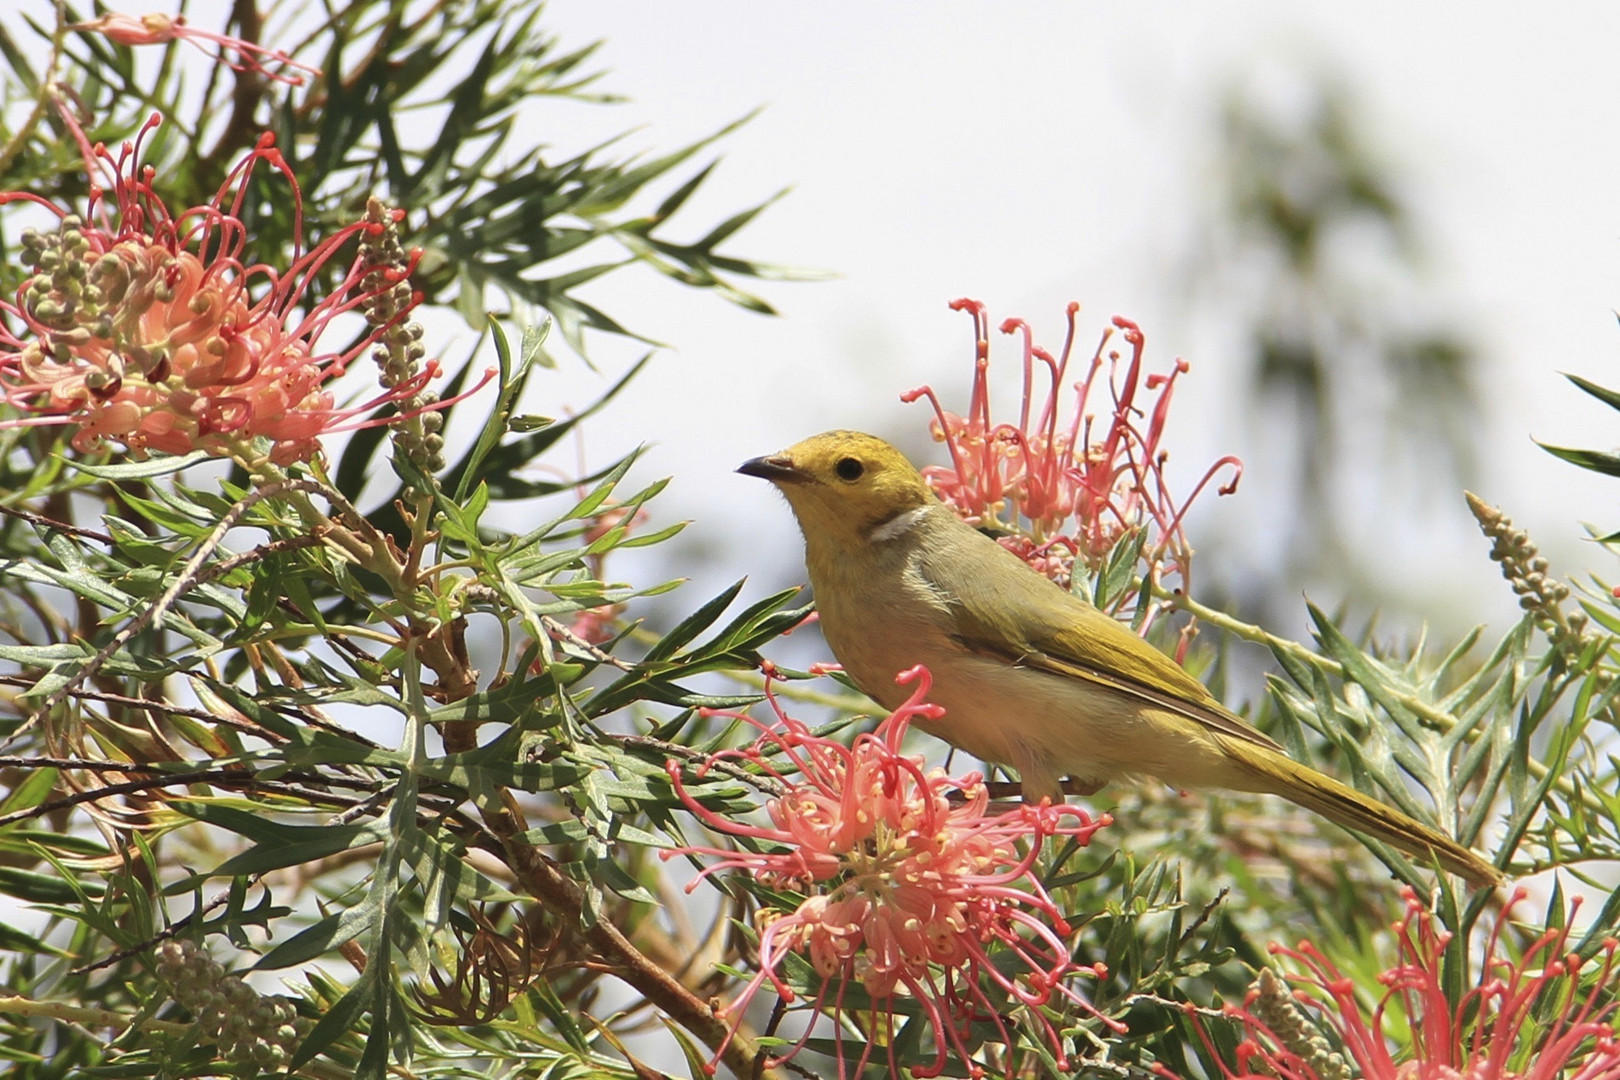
843, 485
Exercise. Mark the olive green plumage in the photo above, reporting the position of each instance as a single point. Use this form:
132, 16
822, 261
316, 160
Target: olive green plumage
1028, 675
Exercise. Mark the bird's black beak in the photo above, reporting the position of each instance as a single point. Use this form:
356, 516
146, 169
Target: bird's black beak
777, 468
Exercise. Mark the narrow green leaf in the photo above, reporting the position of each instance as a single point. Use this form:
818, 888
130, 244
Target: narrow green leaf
503, 465
495, 424
254, 826
694, 624
297, 844
36, 888
16, 941
160, 465
697, 1061
36, 786
339, 1019
1595, 460
1611, 398
322, 937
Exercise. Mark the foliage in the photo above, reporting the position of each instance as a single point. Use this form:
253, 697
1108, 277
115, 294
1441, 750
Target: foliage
293, 784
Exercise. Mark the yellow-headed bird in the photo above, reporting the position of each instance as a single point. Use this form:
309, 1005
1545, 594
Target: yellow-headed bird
1029, 675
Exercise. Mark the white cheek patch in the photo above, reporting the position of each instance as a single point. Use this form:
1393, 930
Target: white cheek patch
897, 526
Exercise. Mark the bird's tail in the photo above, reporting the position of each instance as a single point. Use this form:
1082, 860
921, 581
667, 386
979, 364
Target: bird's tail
1276, 774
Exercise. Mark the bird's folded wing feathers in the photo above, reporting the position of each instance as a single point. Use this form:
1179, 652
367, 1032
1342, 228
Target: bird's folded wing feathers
1056, 632
1210, 714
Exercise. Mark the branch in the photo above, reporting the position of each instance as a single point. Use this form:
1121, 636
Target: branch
91, 1017
47, 93
566, 898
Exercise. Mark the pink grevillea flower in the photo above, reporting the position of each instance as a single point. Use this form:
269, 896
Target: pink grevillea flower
1548, 1013
1069, 487
152, 329
912, 894
156, 29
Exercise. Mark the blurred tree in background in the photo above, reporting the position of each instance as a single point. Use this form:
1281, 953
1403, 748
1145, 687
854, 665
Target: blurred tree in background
1364, 387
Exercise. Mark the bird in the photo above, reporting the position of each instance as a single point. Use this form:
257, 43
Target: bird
1028, 674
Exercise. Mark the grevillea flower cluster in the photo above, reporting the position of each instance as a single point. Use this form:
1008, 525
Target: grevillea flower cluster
1069, 487
914, 889
152, 329
1545, 1014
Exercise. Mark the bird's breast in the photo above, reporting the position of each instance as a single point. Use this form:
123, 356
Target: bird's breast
878, 626
880, 629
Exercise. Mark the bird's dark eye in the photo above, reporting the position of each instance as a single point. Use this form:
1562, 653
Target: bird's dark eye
849, 468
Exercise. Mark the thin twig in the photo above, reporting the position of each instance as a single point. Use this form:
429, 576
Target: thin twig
232, 777
225, 566
768, 785
47, 93
562, 633
566, 897
56, 526
163, 935
140, 703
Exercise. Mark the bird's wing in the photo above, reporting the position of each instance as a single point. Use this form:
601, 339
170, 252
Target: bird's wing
1207, 712
1017, 615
